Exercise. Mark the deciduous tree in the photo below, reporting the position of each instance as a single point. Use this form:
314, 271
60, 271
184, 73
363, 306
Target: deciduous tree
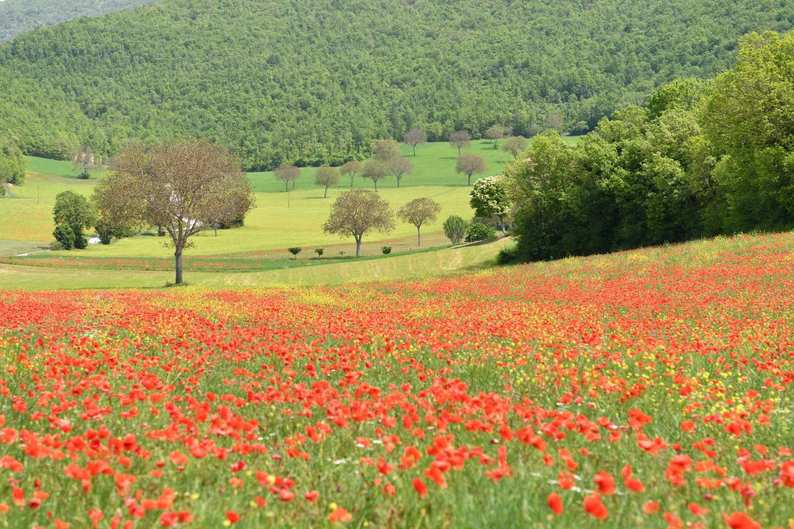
326, 177
399, 167
375, 170
415, 137
470, 164
357, 212
352, 169
515, 145
288, 174
418, 212
460, 139
385, 150
489, 199
177, 186
496, 133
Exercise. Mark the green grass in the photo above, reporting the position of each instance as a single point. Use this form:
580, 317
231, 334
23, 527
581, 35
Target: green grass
417, 265
27, 216
62, 168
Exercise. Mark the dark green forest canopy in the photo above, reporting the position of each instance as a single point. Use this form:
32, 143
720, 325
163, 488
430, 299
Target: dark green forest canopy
18, 16
314, 81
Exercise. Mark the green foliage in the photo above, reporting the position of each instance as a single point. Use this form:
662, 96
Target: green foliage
478, 230
12, 163
313, 82
295, 251
748, 118
489, 199
700, 159
455, 229
65, 236
386, 250
72, 214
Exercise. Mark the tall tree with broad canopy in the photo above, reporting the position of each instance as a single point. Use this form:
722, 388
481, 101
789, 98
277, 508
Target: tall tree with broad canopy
515, 145
326, 177
357, 212
470, 164
375, 170
415, 137
385, 150
352, 169
288, 174
460, 139
177, 186
418, 212
400, 167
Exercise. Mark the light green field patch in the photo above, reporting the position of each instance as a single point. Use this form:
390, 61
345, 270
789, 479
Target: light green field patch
403, 267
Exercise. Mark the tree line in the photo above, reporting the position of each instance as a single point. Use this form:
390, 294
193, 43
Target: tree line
698, 159
289, 82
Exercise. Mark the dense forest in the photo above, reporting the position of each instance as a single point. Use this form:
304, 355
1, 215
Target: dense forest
698, 159
18, 16
314, 81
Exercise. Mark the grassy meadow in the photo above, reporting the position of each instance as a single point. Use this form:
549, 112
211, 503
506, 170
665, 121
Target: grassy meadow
278, 221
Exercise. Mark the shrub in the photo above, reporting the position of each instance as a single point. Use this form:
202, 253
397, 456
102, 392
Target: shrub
104, 231
479, 231
295, 251
455, 229
319, 251
72, 213
508, 255
65, 236
386, 250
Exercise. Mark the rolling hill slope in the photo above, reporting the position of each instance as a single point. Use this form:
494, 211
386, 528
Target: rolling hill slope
316, 80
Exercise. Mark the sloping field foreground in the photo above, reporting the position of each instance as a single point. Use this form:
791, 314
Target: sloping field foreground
646, 389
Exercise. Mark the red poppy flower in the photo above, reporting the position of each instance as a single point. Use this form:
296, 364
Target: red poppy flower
595, 507
555, 503
740, 520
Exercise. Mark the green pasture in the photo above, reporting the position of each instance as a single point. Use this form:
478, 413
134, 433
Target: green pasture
417, 265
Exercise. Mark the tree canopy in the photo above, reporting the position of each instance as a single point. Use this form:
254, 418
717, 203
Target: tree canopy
356, 212
699, 159
183, 187
313, 82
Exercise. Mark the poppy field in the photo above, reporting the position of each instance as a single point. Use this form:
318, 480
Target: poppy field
648, 389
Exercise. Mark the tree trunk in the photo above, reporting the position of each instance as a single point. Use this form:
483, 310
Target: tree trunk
351, 181
178, 263
468, 182
376, 184
325, 195
358, 246
398, 181
414, 151
286, 186
418, 237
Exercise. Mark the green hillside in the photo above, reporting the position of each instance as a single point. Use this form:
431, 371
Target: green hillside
18, 16
316, 80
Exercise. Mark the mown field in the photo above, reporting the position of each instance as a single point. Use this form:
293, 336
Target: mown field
649, 388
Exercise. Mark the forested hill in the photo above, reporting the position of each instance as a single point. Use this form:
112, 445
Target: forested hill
316, 80
18, 16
